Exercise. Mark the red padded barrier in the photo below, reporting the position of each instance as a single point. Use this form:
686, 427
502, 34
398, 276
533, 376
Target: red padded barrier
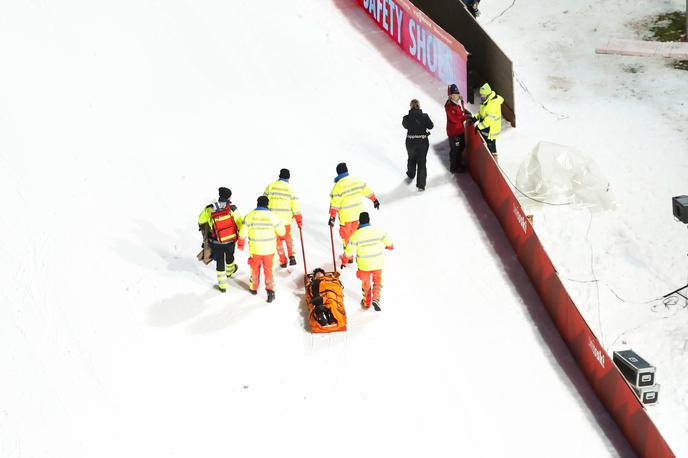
606, 380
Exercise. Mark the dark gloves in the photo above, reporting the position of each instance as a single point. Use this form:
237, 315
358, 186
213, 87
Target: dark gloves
376, 204
331, 221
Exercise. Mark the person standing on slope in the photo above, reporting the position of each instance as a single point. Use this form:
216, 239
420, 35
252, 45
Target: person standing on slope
489, 119
346, 200
472, 7
284, 204
220, 223
417, 125
456, 115
262, 228
368, 244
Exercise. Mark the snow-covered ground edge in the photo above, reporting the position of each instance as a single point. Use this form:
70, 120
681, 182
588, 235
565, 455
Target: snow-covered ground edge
630, 115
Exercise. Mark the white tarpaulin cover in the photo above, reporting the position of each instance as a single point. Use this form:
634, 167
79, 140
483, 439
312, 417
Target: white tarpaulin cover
560, 174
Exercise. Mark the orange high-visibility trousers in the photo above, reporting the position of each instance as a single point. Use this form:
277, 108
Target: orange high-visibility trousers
345, 232
281, 241
256, 261
371, 284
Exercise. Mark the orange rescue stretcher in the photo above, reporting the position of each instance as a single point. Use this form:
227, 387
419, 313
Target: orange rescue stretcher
324, 296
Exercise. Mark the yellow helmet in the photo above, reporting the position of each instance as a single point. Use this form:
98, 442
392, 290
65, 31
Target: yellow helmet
485, 89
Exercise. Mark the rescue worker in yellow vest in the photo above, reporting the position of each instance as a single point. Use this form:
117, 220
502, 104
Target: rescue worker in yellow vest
220, 223
368, 244
489, 120
284, 204
346, 200
262, 227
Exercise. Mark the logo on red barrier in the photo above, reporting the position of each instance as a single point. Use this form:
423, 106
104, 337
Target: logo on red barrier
595, 352
521, 219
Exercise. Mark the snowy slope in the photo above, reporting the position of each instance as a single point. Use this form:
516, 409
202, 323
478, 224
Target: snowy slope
629, 114
118, 124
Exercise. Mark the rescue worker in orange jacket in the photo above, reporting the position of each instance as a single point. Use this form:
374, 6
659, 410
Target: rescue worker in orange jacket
220, 223
261, 227
285, 204
346, 200
368, 245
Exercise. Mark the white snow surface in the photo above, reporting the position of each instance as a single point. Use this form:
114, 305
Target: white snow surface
118, 121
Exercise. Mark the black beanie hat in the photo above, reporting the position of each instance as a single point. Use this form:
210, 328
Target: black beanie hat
284, 173
225, 193
341, 168
263, 201
318, 269
364, 218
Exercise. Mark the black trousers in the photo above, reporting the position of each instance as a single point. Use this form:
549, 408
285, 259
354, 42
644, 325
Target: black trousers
491, 144
417, 149
456, 147
222, 253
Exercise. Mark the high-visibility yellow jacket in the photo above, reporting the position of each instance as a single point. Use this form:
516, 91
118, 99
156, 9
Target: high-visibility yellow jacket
262, 227
204, 217
368, 244
490, 115
346, 197
283, 201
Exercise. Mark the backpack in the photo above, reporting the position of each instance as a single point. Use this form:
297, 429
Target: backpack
224, 226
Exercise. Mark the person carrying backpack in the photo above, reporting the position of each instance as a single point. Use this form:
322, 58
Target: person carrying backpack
417, 125
285, 204
220, 223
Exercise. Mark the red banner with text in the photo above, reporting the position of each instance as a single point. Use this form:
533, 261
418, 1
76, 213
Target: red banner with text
421, 39
606, 380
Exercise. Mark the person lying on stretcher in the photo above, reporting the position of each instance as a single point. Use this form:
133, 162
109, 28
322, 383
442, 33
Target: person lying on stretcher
322, 306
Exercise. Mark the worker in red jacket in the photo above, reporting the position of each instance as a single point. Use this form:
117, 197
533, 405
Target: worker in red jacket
457, 114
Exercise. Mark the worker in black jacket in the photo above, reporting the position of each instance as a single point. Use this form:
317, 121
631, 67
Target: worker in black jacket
417, 125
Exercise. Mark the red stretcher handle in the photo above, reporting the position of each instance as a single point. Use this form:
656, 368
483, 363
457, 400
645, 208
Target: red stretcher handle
303, 253
334, 262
